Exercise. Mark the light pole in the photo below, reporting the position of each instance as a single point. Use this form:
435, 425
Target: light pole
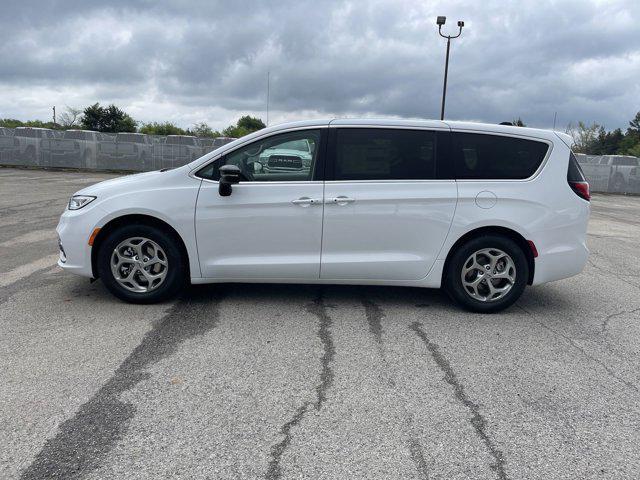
440, 22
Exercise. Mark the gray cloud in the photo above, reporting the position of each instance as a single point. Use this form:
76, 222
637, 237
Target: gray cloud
203, 60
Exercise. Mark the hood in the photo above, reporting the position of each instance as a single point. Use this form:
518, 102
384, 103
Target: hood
143, 180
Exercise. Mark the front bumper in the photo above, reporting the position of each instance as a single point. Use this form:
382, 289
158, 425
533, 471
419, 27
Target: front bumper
74, 230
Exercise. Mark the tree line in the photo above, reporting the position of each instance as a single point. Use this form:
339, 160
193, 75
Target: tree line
112, 119
594, 139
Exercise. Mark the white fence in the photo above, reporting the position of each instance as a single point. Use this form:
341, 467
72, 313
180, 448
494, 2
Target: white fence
40, 147
611, 173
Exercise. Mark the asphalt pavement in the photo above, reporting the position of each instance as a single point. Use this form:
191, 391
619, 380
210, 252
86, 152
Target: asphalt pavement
290, 381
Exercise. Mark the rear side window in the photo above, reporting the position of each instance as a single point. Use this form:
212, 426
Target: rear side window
574, 174
494, 157
384, 154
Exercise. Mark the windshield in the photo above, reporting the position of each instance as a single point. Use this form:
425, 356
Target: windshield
300, 145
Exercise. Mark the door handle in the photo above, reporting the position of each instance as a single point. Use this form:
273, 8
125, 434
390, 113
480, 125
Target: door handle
341, 200
305, 201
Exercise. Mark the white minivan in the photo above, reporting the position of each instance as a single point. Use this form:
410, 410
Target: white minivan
481, 210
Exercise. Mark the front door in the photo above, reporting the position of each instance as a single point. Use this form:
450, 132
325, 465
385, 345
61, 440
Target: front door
270, 227
387, 213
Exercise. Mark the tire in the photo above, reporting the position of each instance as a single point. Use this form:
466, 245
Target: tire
129, 240
485, 248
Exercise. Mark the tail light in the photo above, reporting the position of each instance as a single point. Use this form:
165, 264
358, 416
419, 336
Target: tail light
576, 179
581, 189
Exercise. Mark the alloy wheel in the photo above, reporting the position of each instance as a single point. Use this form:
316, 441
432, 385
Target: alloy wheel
488, 274
139, 264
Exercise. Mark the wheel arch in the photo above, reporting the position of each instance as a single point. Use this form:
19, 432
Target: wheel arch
494, 230
138, 219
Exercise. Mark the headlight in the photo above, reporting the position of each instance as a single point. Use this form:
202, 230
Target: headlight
78, 201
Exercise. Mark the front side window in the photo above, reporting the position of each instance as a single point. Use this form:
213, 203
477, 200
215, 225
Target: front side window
495, 157
384, 154
284, 157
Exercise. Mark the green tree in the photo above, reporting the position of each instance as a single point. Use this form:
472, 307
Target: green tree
202, 129
583, 135
252, 124
10, 123
630, 144
606, 143
109, 119
635, 150
634, 126
116, 120
166, 128
13, 123
244, 126
92, 117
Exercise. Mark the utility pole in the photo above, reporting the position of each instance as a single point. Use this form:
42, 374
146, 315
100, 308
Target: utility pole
440, 22
54, 115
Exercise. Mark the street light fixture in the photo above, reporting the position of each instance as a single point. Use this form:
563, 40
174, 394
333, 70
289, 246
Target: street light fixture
440, 21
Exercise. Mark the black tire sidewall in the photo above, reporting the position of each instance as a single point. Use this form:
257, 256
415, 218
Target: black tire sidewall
176, 276
453, 283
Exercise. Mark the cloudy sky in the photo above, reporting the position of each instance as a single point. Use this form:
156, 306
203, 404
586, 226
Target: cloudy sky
192, 61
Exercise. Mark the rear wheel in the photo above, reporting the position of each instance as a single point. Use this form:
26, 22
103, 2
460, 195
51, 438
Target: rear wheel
487, 274
141, 264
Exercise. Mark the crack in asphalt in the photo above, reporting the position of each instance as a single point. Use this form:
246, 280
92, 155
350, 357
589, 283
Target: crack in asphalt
84, 440
477, 420
580, 349
608, 318
620, 276
375, 315
319, 309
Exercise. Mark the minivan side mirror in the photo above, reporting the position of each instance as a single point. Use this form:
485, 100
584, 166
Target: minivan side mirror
229, 174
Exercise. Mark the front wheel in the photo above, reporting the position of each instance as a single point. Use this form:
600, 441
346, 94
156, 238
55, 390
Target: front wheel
141, 264
487, 274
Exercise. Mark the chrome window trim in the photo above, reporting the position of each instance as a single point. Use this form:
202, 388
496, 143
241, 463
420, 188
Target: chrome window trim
523, 136
279, 182
439, 128
433, 180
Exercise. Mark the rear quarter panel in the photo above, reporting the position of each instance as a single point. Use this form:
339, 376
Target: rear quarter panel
542, 209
